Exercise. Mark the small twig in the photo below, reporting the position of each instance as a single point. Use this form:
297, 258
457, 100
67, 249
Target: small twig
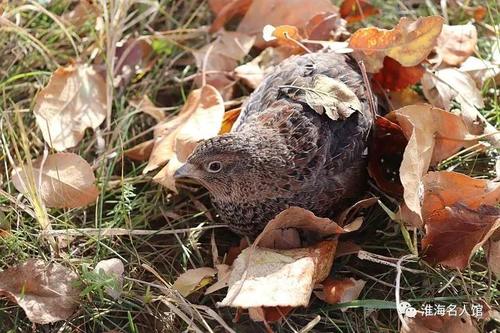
398, 286
364, 255
369, 92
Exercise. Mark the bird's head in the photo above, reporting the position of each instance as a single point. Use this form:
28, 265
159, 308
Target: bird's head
236, 165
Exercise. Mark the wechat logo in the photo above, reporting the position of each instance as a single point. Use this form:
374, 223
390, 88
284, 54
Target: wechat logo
406, 309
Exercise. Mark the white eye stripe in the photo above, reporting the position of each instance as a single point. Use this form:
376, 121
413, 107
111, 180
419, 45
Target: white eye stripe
214, 166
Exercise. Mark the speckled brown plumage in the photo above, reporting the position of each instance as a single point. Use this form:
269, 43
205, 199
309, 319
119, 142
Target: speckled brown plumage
282, 153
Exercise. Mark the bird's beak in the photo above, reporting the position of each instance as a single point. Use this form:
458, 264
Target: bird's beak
185, 171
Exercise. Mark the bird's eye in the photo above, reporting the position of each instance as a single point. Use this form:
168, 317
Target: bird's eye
214, 166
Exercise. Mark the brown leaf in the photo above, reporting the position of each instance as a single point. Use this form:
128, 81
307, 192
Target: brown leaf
229, 120
301, 219
386, 154
253, 72
265, 277
408, 43
456, 43
433, 135
345, 248
492, 251
480, 70
227, 11
405, 97
269, 314
193, 279
200, 119
223, 274
459, 214
46, 292
280, 12
140, 152
222, 56
326, 26
340, 291
147, 106
395, 77
442, 324
348, 215
73, 100
63, 180
357, 10
134, 56
217, 5
84, 11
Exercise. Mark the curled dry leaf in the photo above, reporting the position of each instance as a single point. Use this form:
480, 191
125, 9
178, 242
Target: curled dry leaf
480, 70
134, 56
253, 72
63, 180
340, 291
220, 57
456, 43
265, 277
140, 152
73, 100
46, 292
433, 135
405, 97
445, 324
84, 11
386, 154
200, 118
446, 85
460, 214
357, 10
193, 279
301, 219
280, 12
325, 27
492, 251
395, 77
408, 43
225, 12
230, 118
325, 95
113, 268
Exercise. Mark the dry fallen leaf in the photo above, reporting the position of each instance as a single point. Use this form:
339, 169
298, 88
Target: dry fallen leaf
386, 154
357, 10
340, 291
442, 324
433, 135
112, 268
84, 11
395, 77
230, 118
460, 214
456, 43
46, 292
408, 43
492, 252
146, 106
200, 118
140, 152
265, 277
326, 26
73, 100
223, 274
301, 219
221, 57
63, 180
133, 57
193, 279
405, 97
480, 70
280, 12
226, 11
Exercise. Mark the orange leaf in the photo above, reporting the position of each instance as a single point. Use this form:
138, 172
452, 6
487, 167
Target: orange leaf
280, 12
395, 77
229, 119
228, 11
405, 97
356, 10
326, 26
341, 291
409, 42
386, 153
459, 214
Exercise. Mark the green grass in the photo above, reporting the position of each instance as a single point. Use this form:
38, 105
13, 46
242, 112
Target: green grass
131, 200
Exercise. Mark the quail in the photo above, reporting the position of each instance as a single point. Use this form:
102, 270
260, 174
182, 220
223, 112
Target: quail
282, 152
